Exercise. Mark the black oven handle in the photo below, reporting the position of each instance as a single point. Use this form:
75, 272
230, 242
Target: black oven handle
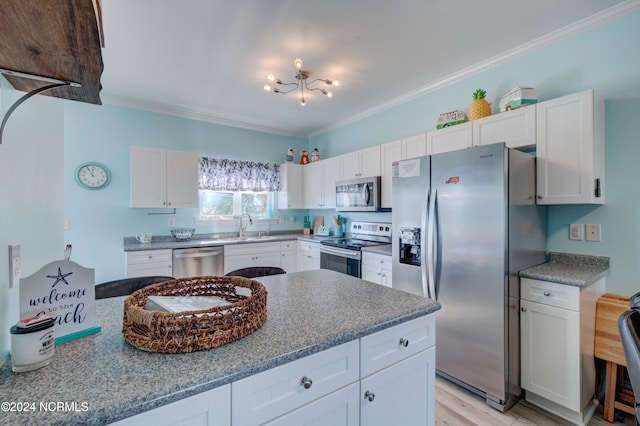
337, 252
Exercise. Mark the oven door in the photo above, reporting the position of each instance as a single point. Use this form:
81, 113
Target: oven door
340, 260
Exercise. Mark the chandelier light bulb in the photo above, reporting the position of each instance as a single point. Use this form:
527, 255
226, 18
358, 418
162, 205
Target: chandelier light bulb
302, 83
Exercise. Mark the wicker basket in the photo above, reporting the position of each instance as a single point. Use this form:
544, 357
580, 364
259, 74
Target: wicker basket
192, 331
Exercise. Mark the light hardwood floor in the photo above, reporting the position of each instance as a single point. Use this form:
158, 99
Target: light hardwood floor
456, 406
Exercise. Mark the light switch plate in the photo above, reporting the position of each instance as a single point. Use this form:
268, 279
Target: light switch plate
593, 232
14, 264
576, 231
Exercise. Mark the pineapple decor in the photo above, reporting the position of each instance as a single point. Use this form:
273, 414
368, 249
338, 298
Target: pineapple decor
479, 107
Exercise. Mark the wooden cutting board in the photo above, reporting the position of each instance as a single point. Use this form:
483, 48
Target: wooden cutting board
607, 339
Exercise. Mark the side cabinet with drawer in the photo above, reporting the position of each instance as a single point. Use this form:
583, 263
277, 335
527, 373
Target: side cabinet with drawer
377, 268
238, 256
148, 263
557, 324
397, 367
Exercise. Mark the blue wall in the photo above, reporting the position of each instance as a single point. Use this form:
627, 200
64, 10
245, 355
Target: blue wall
32, 195
606, 59
99, 220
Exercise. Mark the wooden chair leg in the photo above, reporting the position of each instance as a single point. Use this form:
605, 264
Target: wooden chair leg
610, 391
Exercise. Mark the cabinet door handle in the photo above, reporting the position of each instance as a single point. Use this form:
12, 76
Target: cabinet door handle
369, 396
547, 293
404, 342
306, 382
523, 309
539, 197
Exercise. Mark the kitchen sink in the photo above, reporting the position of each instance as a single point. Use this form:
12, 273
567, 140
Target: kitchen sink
236, 239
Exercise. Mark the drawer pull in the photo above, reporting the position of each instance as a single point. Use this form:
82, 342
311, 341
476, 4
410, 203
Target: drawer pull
547, 293
369, 396
306, 382
523, 309
404, 342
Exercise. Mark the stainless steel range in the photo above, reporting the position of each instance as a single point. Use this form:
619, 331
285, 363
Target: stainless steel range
344, 254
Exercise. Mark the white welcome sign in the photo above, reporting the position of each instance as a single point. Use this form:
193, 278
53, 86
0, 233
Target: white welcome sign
65, 291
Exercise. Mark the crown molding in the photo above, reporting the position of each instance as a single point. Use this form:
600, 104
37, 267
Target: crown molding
601, 18
198, 116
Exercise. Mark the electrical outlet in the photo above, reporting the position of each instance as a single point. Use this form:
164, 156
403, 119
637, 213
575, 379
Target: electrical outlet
172, 222
593, 232
281, 220
292, 219
576, 231
14, 264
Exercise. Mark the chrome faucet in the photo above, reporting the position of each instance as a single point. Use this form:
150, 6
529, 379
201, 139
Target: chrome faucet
243, 228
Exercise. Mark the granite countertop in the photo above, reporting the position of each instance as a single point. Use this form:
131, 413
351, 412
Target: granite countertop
570, 269
108, 379
162, 242
381, 249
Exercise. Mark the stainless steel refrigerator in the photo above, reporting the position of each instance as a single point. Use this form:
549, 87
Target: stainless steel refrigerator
464, 223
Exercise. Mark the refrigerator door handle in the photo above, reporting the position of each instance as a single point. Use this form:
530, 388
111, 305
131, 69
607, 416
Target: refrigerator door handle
431, 249
423, 247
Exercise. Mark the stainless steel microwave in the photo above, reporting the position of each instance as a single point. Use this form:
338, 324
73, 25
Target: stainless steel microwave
358, 195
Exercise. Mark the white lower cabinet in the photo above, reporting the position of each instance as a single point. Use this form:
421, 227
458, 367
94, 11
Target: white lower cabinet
289, 256
308, 256
265, 396
397, 368
145, 263
210, 408
237, 256
339, 408
377, 268
385, 378
557, 325
402, 394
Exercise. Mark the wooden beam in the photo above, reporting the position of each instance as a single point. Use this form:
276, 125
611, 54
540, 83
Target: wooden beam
57, 39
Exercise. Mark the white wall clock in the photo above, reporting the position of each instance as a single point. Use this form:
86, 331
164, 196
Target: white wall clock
93, 175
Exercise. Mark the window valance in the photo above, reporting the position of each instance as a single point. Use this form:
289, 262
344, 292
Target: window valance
233, 175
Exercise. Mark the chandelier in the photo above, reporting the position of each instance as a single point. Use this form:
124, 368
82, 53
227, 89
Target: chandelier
302, 76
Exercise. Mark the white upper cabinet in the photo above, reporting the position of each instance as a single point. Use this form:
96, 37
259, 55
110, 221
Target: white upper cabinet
517, 128
362, 163
389, 152
163, 178
290, 195
570, 150
319, 182
414, 146
450, 139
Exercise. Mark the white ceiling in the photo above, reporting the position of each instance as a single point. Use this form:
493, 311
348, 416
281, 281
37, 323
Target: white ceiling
208, 59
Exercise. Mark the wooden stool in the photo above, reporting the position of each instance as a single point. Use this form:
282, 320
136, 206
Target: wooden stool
608, 348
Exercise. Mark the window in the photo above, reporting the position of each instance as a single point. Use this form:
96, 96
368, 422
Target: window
216, 205
229, 188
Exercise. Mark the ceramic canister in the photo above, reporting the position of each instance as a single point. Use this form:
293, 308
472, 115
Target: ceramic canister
32, 343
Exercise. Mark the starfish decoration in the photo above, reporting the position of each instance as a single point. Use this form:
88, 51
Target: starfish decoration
60, 277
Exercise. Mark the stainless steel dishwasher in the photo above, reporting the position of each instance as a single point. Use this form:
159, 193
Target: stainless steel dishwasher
198, 261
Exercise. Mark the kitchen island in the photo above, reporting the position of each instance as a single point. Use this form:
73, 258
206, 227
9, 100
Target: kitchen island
102, 379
